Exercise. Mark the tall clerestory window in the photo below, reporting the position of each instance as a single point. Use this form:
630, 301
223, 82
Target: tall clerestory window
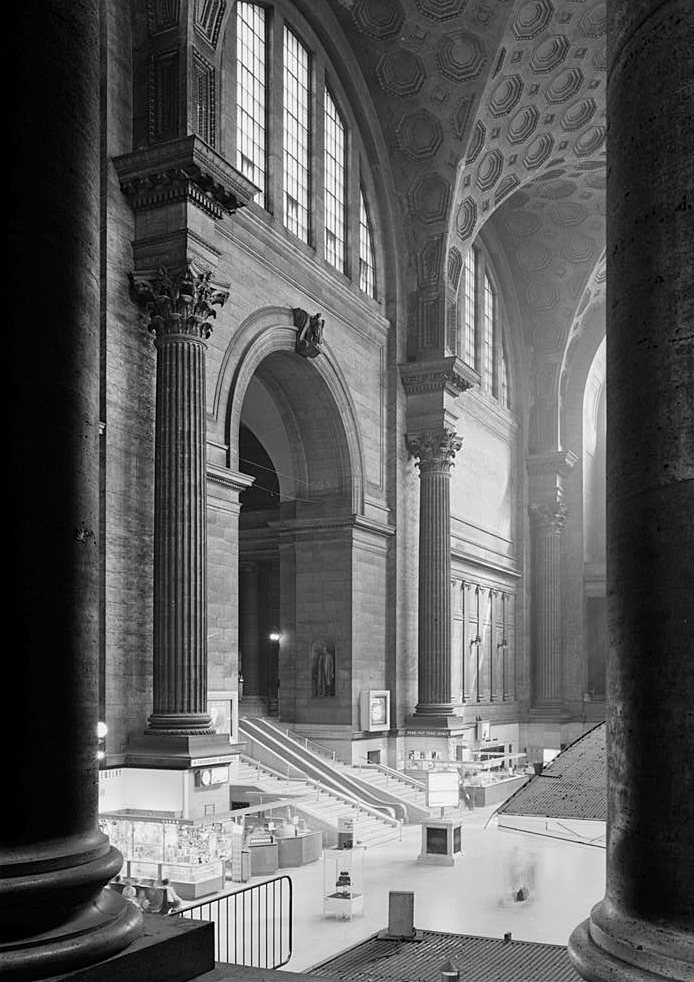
481, 341
276, 153
297, 133
334, 178
367, 264
469, 293
250, 95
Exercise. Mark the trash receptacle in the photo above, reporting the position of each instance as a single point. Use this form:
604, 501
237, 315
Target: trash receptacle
245, 866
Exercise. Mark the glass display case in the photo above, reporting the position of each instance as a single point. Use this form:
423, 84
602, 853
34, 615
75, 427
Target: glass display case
343, 882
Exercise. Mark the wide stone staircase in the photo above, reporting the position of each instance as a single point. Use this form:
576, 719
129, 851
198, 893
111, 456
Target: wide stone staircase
379, 799
321, 807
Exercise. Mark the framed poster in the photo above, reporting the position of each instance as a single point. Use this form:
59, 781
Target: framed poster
375, 710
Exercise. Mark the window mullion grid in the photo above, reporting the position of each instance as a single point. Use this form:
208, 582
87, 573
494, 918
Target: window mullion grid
335, 183
498, 348
297, 134
251, 90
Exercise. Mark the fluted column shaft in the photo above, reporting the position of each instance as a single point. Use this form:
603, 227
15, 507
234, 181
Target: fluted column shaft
435, 458
179, 306
54, 860
546, 524
180, 545
644, 926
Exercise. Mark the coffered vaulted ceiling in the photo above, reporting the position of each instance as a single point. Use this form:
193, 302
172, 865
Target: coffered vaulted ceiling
494, 111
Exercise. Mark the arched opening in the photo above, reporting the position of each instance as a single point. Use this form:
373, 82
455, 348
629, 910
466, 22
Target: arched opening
295, 532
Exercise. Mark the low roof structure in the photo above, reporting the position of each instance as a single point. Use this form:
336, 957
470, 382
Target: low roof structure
430, 956
572, 786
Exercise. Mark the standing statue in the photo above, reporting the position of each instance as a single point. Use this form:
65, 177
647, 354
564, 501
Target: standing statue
323, 675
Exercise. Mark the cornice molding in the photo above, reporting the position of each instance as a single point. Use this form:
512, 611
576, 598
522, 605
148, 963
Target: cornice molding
185, 169
450, 375
557, 462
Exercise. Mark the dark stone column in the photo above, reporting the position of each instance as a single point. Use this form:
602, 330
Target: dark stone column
547, 473
546, 524
435, 455
250, 629
55, 861
644, 926
179, 308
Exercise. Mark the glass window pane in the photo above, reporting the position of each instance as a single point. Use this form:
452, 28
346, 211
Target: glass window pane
250, 94
296, 136
334, 178
367, 264
469, 279
488, 337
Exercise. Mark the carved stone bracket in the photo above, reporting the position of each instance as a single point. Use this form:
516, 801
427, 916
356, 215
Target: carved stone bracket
434, 450
309, 333
180, 303
185, 169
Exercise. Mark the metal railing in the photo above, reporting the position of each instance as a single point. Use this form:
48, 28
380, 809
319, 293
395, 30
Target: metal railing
391, 774
252, 926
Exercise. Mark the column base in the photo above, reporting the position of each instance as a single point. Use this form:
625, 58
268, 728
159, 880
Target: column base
175, 751
107, 926
609, 947
434, 721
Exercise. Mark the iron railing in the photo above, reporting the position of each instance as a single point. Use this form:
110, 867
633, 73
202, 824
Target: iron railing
252, 926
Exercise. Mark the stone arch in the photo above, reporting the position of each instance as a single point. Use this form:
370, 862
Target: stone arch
263, 347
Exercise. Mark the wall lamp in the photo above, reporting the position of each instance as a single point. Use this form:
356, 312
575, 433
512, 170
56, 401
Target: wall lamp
276, 636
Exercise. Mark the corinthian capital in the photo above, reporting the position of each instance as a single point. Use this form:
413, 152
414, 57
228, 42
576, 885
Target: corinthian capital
548, 515
434, 449
178, 303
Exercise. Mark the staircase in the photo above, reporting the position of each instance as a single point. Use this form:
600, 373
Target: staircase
381, 790
320, 806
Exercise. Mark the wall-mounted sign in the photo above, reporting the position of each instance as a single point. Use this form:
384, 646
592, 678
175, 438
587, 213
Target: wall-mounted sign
375, 710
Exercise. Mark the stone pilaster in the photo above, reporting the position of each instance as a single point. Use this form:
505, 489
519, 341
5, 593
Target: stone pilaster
435, 454
179, 308
643, 929
55, 915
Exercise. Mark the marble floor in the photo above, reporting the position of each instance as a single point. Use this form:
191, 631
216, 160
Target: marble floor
474, 896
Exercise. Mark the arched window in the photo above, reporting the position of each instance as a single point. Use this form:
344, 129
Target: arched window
289, 111
480, 340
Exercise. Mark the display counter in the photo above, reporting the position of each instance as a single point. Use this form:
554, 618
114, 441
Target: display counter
495, 792
264, 858
343, 882
299, 849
